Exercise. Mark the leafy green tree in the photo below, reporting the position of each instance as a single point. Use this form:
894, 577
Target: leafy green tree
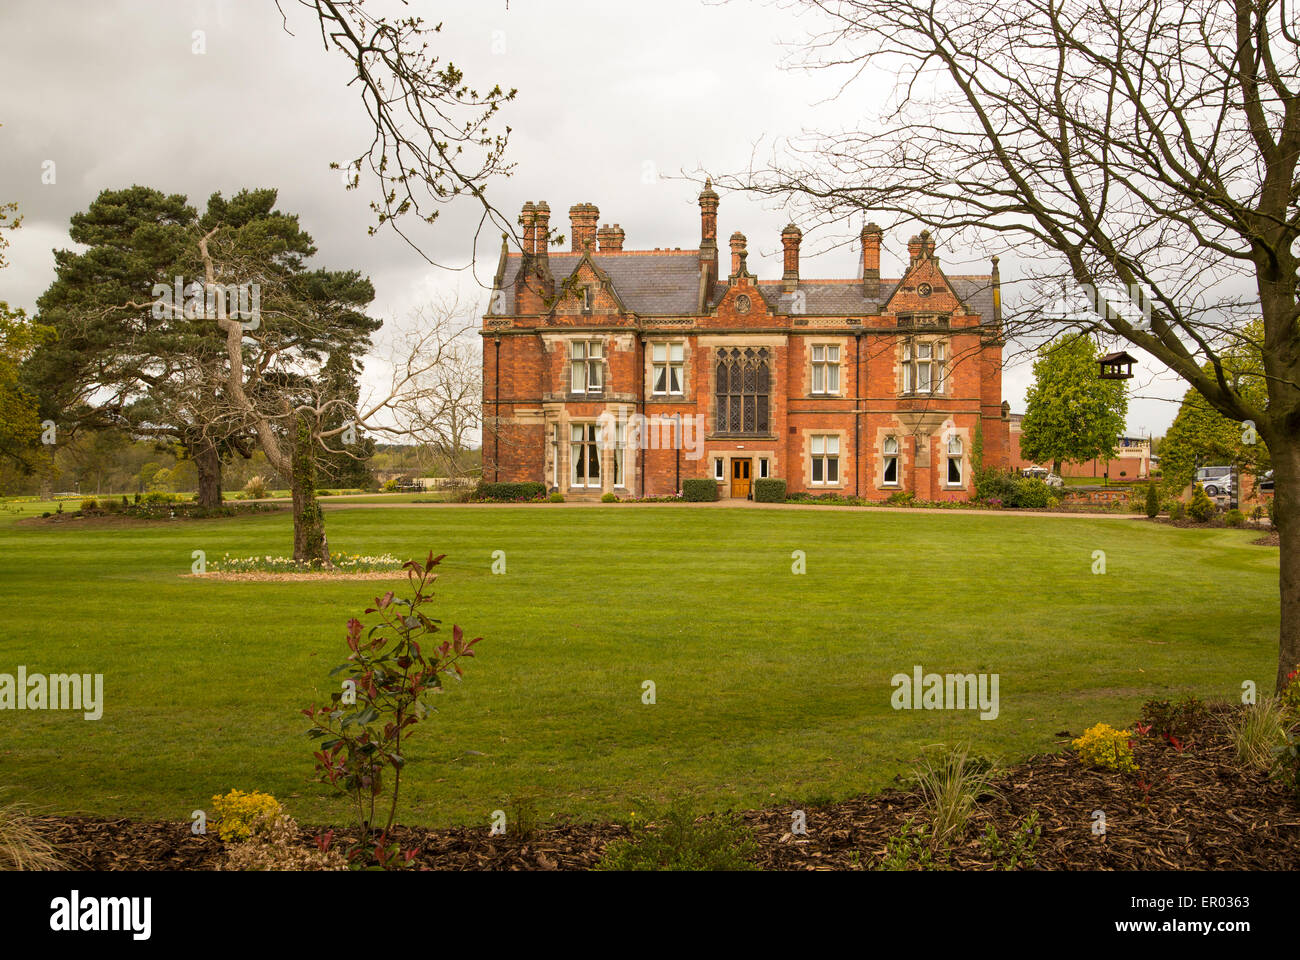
1071, 413
1200, 435
20, 422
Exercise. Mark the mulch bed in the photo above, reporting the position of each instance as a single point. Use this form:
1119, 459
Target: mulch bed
1273, 539
1188, 809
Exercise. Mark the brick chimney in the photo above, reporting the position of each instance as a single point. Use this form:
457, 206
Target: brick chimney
611, 238
582, 220
871, 237
790, 238
737, 252
708, 243
527, 220
542, 232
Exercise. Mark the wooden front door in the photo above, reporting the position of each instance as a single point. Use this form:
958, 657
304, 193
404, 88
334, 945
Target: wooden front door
740, 478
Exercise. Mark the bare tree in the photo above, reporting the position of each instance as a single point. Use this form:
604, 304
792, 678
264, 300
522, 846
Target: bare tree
436, 388
1144, 146
434, 139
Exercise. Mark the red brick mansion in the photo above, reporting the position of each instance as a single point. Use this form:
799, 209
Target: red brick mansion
608, 370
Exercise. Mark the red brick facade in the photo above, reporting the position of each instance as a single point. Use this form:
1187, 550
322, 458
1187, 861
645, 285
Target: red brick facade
863, 386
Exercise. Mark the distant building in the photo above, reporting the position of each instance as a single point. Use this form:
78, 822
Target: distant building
1132, 460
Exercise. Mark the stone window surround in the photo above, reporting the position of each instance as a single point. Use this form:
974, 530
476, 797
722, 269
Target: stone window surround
901, 351
823, 341
805, 457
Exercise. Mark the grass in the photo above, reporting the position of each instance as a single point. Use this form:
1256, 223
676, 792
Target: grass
770, 687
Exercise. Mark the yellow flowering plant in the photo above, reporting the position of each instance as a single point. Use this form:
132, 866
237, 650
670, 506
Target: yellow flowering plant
1103, 746
239, 813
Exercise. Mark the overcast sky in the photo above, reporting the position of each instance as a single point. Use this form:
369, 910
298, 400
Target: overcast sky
618, 99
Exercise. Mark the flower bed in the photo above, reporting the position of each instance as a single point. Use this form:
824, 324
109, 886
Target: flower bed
342, 563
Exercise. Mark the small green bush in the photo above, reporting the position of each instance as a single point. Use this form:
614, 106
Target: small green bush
608, 498
1179, 719
89, 505
677, 841
769, 490
1033, 494
699, 490
1153, 501
1177, 510
901, 498
1201, 509
510, 491
556, 497
1235, 518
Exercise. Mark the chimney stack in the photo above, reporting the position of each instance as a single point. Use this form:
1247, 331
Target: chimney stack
871, 237
611, 238
528, 220
708, 218
582, 220
790, 238
542, 233
738, 252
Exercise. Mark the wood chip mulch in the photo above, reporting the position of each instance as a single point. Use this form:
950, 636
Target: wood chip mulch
1188, 809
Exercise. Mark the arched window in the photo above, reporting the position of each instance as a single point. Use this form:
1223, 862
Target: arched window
744, 383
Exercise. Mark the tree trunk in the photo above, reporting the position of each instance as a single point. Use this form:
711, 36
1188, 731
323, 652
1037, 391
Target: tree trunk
309, 543
1056, 467
1285, 452
207, 460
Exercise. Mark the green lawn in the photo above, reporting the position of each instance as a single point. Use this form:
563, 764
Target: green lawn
771, 687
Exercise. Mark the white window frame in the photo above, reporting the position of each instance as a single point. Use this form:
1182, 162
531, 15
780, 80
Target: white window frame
668, 359
764, 468
719, 473
825, 379
890, 457
954, 455
586, 366
825, 453
584, 445
928, 358
555, 454
620, 456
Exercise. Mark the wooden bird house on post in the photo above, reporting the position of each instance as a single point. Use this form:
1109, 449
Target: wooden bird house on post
1116, 366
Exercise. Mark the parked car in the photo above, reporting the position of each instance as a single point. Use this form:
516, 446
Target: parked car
1042, 473
1266, 480
1215, 480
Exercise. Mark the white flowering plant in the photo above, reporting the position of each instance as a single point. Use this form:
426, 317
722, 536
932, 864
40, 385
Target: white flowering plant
340, 563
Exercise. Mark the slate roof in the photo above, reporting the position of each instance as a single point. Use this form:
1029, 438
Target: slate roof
666, 283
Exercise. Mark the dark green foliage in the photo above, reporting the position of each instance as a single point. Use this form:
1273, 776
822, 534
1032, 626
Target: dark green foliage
769, 490
1235, 518
1153, 501
699, 489
1179, 719
901, 498
608, 498
1177, 510
676, 840
509, 491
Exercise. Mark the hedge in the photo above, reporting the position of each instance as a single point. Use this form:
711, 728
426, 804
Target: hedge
699, 489
527, 490
769, 490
